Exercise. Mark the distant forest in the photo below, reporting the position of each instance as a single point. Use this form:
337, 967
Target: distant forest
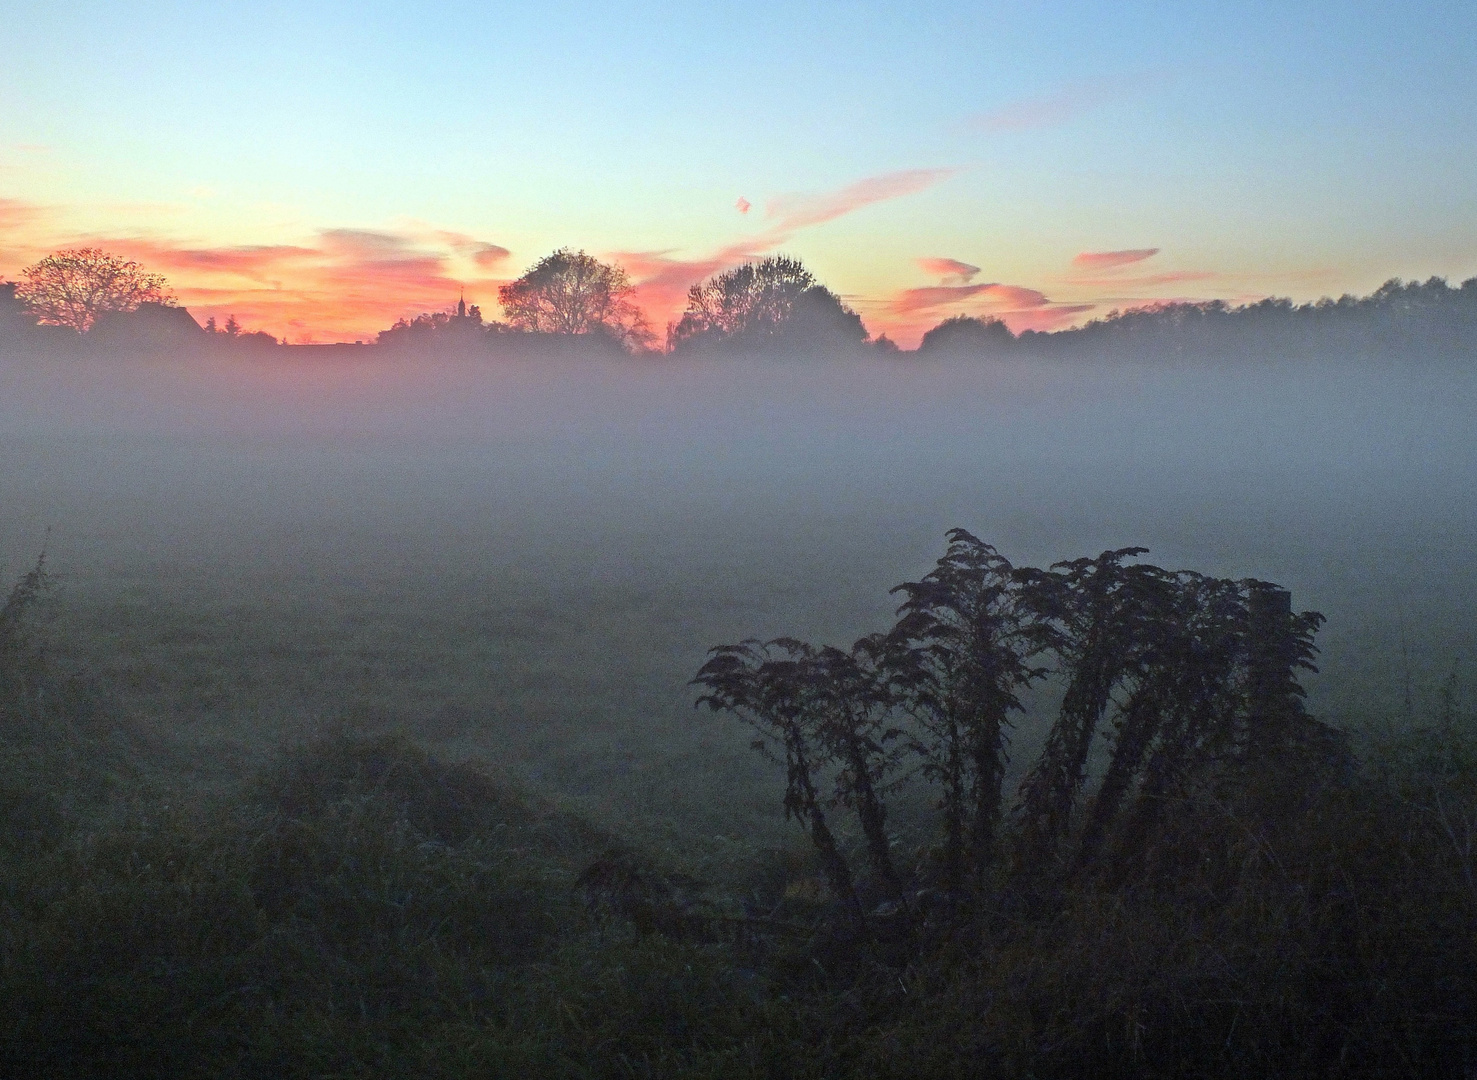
570, 302
1427, 318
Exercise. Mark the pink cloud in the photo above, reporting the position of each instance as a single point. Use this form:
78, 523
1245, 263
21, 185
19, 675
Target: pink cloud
481, 252
993, 294
489, 255
1048, 110
1169, 277
1103, 260
950, 271
792, 212
1044, 318
743, 206
933, 297
906, 315
662, 280
1017, 296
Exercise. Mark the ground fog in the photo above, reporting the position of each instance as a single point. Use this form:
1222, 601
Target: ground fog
524, 562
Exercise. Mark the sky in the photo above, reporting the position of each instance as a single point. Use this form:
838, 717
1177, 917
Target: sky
320, 170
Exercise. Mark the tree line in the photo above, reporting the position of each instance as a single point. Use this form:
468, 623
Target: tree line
772, 305
768, 305
1431, 316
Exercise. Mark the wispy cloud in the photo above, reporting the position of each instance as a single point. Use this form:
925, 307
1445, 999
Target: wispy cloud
792, 212
662, 278
932, 298
949, 271
1101, 260
1045, 318
1104, 270
481, 252
1068, 103
908, 313
14, 213
935, 298
1146, 281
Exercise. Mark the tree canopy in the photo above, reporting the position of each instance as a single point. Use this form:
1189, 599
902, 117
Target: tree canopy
73, 287
762, 305
966, 333
570, 292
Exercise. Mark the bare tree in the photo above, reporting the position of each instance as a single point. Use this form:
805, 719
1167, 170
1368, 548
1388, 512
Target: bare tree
73, 287
570, 292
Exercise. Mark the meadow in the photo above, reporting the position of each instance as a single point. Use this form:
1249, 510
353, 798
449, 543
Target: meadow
266, 567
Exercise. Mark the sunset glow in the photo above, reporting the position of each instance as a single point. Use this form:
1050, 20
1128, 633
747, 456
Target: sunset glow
1044, 172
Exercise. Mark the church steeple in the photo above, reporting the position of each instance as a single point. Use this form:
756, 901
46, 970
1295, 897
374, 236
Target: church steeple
461, 306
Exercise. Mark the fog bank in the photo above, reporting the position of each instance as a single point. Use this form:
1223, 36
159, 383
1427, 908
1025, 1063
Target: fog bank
713, 499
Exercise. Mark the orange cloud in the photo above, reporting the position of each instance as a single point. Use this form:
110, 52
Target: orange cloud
347, 285
949, 270
1103, 260
14, 213
24, 229
341, 284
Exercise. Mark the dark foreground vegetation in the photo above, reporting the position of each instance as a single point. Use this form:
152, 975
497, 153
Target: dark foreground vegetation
1196, 877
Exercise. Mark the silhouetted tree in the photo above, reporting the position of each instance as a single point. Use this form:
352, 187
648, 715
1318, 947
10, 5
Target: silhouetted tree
770, 303
967, 334
570, 292
73, 287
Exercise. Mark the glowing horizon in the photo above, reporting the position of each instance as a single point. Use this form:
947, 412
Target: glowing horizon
343, 284
320, 172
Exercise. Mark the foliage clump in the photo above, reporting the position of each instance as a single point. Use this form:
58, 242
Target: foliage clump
1183, 685
772, 304
571, 292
